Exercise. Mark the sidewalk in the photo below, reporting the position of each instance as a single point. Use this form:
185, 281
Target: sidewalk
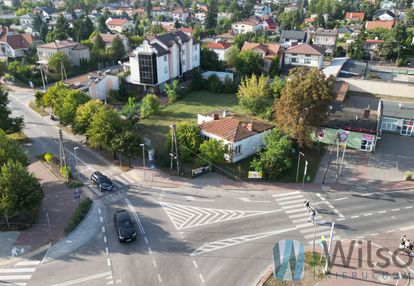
58, 202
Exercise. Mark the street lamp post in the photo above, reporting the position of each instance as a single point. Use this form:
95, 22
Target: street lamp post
297, 169
143, 159
304, 172
76, 162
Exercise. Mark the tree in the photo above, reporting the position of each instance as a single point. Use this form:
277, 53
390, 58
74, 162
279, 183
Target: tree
56, 61
88, 28
304, 103
20, 191
148, 8
84, 115
211, 17
290, 20
102, 27
130, 108
188, 139
252, 94
10, 150
105, 125
117, 49
277, 86
356, 49
232, 56
209, 60
276, 157
172, 91
149, 105
62, 29
274, 66
7, 123
212, 151
37, 22
249, 62
127, 144
70, 103
44, 30
409, 14
54, 95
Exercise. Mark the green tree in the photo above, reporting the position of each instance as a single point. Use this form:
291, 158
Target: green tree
127, 144
356, 49
274, 66
70, 103
150, 105
20, 191
37, 22
88, 28
102, 27
10, 150
172, 91
62, 29
209, 60
98, 49
118, 49
211, 17
188, 139
304, 103
7, 123
277, 86
252, 94
105, 126
84, 115
130, 108
212, 151
44, 30
249, 62
54, 95
232, 56
290, 20
56, 61
148, 8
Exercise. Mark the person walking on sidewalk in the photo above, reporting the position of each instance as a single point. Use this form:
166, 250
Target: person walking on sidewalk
403, 240
409, 247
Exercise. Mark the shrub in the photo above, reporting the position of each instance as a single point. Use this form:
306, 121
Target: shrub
48, 157
408, 176
149, 105
72, 184
65, 170
79, 215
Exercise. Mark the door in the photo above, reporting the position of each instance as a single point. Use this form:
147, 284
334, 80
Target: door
406, 130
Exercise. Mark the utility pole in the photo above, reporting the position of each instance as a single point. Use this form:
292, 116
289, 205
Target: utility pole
329, 159
143, 159
174, 149
62, 156
76, 162
304, 173
342, 162
297, 169
63, 71
43, 78
49, 228
326, 270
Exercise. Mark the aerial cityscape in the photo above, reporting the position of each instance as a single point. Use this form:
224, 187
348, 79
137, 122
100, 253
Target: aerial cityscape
206, 142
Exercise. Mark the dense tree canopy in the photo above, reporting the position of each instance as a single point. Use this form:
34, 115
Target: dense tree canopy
7, 123
84, 115
188, 139
249, 62
252, 94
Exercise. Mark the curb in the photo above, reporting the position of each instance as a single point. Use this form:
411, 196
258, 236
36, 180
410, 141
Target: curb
265, 275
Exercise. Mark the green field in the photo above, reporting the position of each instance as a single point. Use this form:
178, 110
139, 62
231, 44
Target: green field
187, 108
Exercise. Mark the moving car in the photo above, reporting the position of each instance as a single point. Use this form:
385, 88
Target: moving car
102, 181
124, 226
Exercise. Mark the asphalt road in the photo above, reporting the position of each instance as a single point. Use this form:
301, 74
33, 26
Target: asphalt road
194, 237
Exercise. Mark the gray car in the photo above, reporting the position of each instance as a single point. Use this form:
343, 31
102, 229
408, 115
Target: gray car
102, 181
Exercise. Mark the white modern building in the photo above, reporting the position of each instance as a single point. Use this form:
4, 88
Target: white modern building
304, 55
163, 58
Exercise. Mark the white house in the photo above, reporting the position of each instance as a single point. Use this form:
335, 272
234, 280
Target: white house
304, 55
75, 51
262, 10
372, 46
179, 14
163, 58
200, 16
246, 26
220, 48
241, 137
326, 39
13, 44
116, 24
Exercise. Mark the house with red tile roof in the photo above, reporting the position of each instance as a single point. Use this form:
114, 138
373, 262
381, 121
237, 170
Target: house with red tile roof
370, 25
371, 46
116, 24
220, 48
13, 44
353, 16
267, 51
242, 136
304, 55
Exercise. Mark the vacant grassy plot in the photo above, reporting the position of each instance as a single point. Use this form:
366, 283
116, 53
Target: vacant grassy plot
187, 108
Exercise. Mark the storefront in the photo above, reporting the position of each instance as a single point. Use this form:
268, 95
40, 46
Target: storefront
404, 127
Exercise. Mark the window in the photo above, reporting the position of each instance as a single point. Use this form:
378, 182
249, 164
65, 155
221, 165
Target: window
294, 60
366, 144
148, 68
165, 58
183, 52
237, 150
307, 60
165, 70
196, 47
389, 124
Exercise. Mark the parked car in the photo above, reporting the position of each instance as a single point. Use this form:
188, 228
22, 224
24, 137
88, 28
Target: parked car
102, 181
124, 226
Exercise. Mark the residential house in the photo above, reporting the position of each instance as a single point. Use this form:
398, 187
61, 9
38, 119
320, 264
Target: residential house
250, 25
160, 12
262, 10
326, 39
163, 58
372, 46
224, 15
270, 25
75, 51
180, 14
226, 37
109, 38
56, 15
388, 4
370, 25
291, 37
116, 24
304, 55
355, 16
220, 48
8, 3
45, 12
200, 16
267, 51
344, 30
97, 85
384, 15
241, 136
13, 44
26, 20
292, 7
309, 21
397, 118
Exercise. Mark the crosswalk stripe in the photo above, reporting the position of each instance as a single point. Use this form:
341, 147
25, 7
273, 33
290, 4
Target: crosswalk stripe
290, 203
327, 232
17, 270
307, 230
302, 225
304, 214
294, 211
28, 263
126, 178
295, 197
300, 220
285, 194
15, 277
13, 284
289, 207
117, 184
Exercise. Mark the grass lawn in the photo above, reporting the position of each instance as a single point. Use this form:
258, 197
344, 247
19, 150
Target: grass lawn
186, 109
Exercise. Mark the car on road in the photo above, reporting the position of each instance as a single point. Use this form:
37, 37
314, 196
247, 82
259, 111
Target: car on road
124, 226
102, 181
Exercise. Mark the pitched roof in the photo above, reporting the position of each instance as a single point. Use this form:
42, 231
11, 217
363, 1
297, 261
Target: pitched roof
374, 41
309, 20
160, 50
306, 49
270, 50
355, 15
380, 12
247, 22
292, 34
218, 46
15, 40
108, 38
344, 30
117, 22
380, 24
63, 44
170, 38
234, 128
327, 32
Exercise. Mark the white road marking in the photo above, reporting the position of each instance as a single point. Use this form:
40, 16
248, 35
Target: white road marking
367, 214
374, 234
341, 199
202, 278
44, 133
101, 219
108, 261
106, 250
303, 214
159, 277
15, 277
99, 210
285, 194
28, 263
141, 228
407, 228
284, 203
105, 240
382, 212
146, 240
126, 178
339, 219
154, 263
409, 207
295, 197
195, 264
392, 230
185, 216
84, 279
216, 245
13, 284
395, 210
191, 198
149, 250
247, 200
103, 229
327, 232
17, 270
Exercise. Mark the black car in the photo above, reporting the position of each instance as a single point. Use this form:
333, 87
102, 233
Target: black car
102, 181
124, 226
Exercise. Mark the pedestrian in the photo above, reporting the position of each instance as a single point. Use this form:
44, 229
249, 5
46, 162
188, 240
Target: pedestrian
403, 240
307, 205
312, 215
409, 247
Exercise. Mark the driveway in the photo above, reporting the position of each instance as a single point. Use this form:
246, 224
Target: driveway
394, 156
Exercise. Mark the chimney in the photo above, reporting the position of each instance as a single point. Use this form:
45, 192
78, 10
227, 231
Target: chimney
366, 113
249, 126
224, 113
215, 116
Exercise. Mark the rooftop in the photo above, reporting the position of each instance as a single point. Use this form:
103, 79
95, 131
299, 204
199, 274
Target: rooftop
219, 45
379, 24
63, 44
305, 49
355, 15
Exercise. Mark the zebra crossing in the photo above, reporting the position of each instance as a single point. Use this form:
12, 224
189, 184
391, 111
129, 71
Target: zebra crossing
292, 203
185, 216
18, 274
119, 181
